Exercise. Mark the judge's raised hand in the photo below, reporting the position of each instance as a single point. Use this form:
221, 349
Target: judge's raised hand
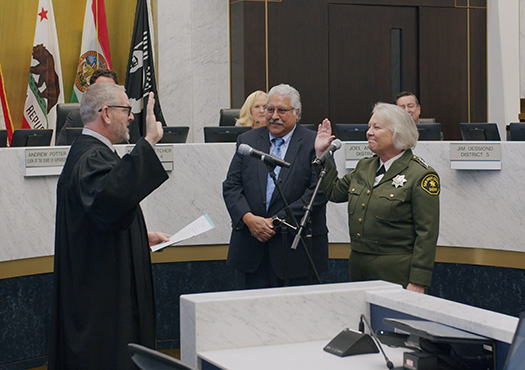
324, 137
154, 129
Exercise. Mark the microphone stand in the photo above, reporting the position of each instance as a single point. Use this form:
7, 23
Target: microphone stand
293, 226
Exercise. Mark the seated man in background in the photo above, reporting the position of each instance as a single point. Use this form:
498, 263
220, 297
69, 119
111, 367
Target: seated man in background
73, 118
408, 101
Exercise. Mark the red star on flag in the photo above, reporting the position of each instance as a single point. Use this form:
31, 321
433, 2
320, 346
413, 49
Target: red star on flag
43, 14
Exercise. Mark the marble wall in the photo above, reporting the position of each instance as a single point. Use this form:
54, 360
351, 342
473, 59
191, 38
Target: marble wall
194, 74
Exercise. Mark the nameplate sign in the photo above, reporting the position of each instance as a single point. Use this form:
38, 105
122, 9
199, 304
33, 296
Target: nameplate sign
45, 161
355, 151
163, 151
475, 156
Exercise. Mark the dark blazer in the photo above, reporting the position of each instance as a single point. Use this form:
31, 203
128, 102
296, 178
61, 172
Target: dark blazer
244, 190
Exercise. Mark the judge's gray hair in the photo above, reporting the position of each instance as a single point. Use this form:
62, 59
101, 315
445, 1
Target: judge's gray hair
399, 121
288, 92
97, 96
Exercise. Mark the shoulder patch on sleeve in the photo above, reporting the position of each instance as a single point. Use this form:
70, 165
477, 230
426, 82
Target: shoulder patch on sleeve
430, 184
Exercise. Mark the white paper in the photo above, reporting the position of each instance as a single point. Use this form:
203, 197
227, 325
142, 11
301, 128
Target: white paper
199, 226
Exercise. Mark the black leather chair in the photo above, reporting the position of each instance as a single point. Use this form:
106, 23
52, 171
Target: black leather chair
227, 134
228, 116
175, 134
63, 109
149, 359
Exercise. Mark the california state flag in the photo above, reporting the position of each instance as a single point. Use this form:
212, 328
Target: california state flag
45, 78
95, 52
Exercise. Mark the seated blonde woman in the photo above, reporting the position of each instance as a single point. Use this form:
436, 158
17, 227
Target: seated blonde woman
253, 113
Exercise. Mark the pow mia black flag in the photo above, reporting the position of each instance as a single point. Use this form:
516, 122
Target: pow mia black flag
140, 74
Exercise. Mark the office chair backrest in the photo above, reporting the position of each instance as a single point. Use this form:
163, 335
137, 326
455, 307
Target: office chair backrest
223, 134
149, 359
63, 109
228, 116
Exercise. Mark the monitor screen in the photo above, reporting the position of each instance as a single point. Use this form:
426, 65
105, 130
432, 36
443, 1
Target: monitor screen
516, 356
31, 137
3, 138
479, 131
223, 134
429, 131
351, 131
517, 131
174, 134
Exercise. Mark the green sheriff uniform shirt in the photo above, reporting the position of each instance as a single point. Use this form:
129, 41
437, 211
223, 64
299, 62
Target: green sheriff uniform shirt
397, 217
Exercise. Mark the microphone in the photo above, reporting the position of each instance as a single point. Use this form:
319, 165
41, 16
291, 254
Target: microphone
245, 149
336, 144
389, 363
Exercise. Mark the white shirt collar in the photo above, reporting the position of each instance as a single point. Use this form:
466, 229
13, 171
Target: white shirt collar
105, 140
388, 163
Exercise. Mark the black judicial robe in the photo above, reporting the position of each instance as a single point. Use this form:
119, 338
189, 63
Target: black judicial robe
103, 287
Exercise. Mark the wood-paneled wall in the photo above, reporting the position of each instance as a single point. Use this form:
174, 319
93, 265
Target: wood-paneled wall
340, 56
17, 28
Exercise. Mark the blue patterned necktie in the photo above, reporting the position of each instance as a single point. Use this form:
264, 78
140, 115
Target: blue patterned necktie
277, 142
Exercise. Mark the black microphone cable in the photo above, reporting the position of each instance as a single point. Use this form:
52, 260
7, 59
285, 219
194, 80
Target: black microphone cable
389, 363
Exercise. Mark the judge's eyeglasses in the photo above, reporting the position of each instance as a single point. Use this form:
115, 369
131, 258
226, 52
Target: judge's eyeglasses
118, 106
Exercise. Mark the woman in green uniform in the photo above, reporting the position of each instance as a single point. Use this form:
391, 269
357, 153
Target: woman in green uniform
393, 202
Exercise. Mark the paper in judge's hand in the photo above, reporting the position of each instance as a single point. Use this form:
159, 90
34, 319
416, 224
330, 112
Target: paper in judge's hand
199, 226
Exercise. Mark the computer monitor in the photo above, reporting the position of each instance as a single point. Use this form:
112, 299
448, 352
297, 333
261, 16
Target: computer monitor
223, 134
479, 132
516, 131
310, 126
72, 133
351, 131
516, 356
31, 137
449, 347
3, 138
429, 131
175, 134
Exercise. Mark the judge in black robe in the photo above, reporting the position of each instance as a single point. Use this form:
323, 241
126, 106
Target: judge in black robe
103, 293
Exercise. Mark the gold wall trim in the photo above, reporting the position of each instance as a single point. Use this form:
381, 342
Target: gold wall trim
460, 255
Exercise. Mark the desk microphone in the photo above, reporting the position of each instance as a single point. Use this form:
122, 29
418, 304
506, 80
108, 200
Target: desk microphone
336, 144
389, 363
245, 149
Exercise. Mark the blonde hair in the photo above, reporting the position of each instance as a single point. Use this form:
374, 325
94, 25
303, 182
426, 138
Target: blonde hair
245, 116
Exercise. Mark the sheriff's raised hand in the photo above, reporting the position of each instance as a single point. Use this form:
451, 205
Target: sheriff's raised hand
324, 137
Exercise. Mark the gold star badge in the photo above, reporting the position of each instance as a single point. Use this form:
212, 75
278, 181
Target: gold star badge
399, 180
